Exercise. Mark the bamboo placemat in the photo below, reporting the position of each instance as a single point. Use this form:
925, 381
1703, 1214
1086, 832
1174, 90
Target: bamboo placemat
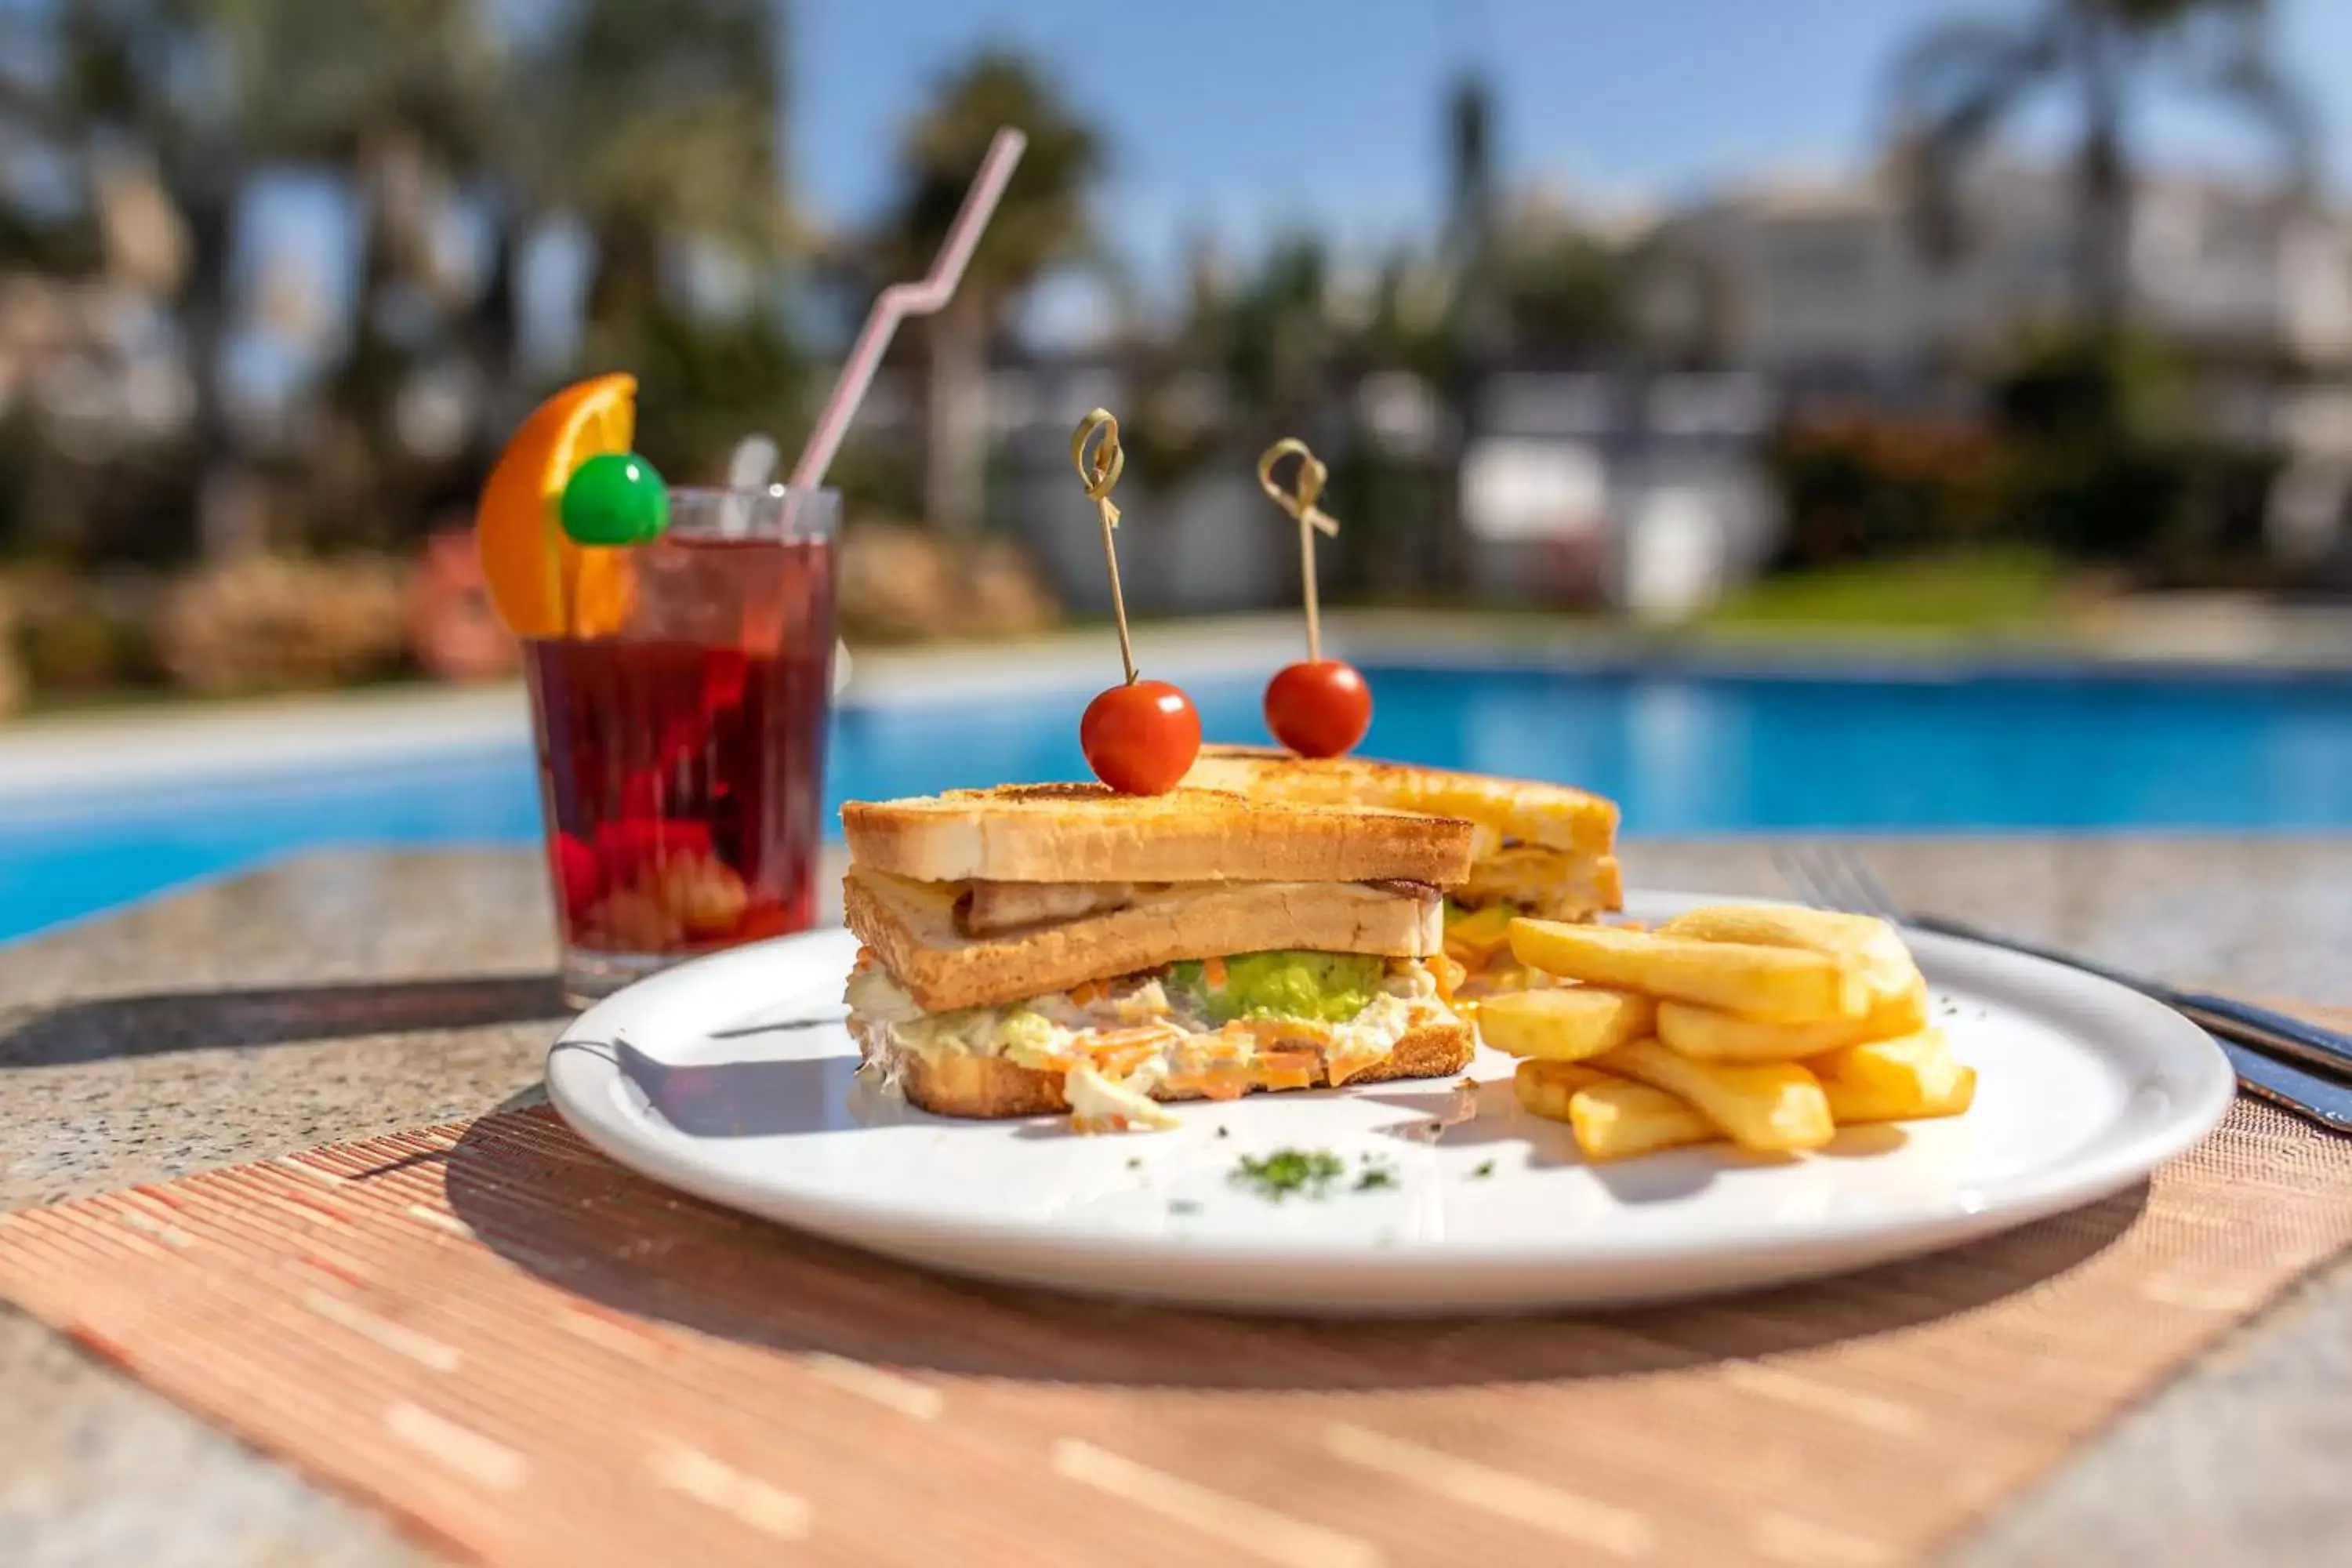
529, 1355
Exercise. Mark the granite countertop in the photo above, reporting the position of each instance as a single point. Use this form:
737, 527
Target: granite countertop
343, 995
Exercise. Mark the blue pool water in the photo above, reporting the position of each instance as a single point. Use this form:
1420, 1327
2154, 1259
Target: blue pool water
1686, 752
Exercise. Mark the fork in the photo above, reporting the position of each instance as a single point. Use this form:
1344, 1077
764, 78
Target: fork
1834, 875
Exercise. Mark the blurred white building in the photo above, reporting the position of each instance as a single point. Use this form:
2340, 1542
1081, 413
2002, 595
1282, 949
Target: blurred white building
1791, 275
1809, 279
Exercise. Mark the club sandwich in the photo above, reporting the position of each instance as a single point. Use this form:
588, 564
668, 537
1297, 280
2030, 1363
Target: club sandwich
1063, 948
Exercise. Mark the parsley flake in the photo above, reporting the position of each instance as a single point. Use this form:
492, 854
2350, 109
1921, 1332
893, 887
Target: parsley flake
1287, 1171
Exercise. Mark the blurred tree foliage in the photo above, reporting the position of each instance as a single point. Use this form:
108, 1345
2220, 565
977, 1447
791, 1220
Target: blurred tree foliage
2085, 448
461, 140
2102, 461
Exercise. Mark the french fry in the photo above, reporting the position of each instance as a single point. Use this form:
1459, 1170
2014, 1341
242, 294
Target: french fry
1851, 1103
1780, 985
1766, 1108
1545, 1089
1716, 1037
1566, 1024
1917, 1068
1868, 953
1616, 1120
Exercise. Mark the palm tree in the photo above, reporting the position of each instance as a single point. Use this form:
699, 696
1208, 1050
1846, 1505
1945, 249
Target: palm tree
1041, 223
406, 95
1954, 87
661, 119
396, 90
656, 125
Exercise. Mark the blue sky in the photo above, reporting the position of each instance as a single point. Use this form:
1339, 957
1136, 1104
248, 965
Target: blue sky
1237, 119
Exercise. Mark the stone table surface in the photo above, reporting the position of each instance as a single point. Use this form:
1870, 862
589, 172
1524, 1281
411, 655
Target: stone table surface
345, 995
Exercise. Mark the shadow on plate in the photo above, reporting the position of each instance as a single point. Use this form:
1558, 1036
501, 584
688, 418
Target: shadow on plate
530, 1193
113, 1026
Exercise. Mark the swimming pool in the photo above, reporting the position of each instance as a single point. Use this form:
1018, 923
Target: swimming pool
1684, 750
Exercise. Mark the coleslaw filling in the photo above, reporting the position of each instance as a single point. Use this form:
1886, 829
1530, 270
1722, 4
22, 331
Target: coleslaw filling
1215, 1029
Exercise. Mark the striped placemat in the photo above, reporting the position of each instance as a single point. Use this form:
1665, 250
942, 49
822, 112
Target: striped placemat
529, 1355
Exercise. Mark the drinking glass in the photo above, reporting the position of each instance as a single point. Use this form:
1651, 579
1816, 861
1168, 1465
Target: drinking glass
681, 758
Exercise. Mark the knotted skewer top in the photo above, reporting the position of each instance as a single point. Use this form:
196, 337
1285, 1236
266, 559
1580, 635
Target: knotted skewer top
1306, 488
1100, 470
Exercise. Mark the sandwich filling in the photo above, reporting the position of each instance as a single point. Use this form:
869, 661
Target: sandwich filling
1212, 1029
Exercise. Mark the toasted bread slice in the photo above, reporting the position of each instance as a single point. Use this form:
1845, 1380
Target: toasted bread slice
911, 927
1550, 815
1088, 833
1555, 884
995, 1087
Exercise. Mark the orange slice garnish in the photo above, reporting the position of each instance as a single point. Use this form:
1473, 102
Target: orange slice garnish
543, 585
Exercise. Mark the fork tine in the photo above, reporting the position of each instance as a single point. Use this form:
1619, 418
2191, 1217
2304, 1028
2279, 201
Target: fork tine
1789, 861
1863, 894
1804, 868
1877, 899
1831, 874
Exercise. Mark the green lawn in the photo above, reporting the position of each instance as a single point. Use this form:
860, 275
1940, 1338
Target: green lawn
2012, 590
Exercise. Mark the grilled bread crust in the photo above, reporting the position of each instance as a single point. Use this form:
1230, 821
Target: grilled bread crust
1088, 833
1553, 815
991, 1087
911, 927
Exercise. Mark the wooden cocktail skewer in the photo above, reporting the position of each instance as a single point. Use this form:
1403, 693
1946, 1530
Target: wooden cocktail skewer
1100, 473
1140, 736
1321, 708
1300, 503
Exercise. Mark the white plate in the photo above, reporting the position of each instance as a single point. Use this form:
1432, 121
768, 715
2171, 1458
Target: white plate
2083, 1088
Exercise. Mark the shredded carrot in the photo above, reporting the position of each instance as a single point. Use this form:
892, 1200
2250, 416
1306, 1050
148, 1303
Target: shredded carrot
1286, 1071
1212, 971
1449, 975
1119, 1065
1273, 1032
1212, 1080
1088, 992
1139, 1035
1118, 1052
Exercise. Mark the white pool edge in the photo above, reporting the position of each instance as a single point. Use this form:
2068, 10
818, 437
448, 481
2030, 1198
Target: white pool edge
70, 757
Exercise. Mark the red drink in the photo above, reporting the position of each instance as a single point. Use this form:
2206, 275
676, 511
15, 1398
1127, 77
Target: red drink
682, 763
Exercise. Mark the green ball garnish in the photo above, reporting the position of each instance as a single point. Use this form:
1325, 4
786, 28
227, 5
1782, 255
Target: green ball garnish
614, 498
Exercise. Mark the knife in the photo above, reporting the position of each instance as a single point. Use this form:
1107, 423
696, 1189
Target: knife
2301, 1065
2322, 1099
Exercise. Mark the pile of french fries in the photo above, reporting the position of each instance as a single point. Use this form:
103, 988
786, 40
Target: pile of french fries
1767, 1025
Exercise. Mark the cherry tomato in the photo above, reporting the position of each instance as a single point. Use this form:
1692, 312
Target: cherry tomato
1141, 738
1320, 709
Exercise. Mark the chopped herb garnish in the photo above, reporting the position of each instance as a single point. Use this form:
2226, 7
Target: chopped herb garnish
1287, 1171
1134, 1164
1377, 1176
1482, 1170
1183, 1205
1222, 1134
